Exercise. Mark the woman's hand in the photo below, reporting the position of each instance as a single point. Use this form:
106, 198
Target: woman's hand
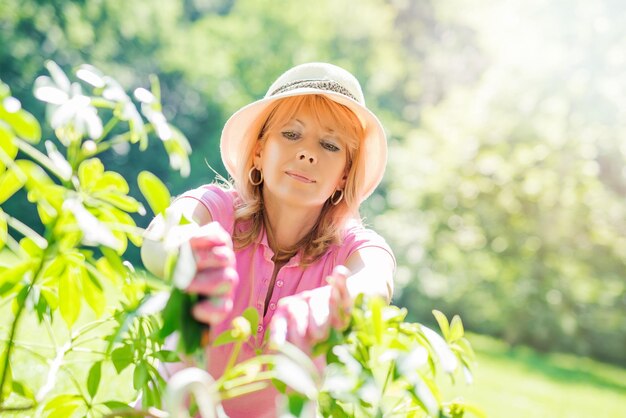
305, 319
216, 277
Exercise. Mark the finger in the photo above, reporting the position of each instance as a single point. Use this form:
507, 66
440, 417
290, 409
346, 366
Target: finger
214, 281
212, 311
278, 329
340, 300
206, 242
296, 313
319, 315
340, 297
339, 276
217, 256
210, 235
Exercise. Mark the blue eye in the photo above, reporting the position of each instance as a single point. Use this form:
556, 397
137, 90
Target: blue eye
290, 135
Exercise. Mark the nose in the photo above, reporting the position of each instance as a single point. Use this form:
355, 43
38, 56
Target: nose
306, 156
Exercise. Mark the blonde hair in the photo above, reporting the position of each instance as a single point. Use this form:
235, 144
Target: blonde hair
328, 228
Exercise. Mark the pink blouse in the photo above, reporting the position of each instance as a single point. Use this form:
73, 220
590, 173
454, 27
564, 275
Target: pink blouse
255, 268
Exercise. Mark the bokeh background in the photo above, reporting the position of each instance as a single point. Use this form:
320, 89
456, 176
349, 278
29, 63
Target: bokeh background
504, 198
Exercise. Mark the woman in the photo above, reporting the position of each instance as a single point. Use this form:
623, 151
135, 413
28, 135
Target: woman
302, 160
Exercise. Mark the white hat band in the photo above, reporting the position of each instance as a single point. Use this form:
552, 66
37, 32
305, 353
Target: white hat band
327, 85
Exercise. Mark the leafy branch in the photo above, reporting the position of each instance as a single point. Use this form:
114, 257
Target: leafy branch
81, 206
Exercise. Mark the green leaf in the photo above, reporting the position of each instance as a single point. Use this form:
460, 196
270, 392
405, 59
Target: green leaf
6, 145
122, 357
54, 268
23, 390
20, 299
117, 406
24, 124
443, 323
89, 172
114, 261
108, 220
51, 297
376, 306
62, 400
252, 315
171, 314
190, 330
225, 337
296, 404
112, 181
10, 182
64, 411
93, 379
30, 247
93, 293
465, 348
178, 150
154, 191
124, 202
446, 357
69, 295
140, 376
37, 178
329, 406
166, 356
456, 329
425, 396
4, 230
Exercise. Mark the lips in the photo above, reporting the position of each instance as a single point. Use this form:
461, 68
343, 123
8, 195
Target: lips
300, 177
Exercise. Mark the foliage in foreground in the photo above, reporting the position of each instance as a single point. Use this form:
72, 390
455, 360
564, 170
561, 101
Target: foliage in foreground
380, 366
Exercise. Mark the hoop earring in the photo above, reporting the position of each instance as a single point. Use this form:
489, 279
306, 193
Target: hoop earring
335, 200
252, 182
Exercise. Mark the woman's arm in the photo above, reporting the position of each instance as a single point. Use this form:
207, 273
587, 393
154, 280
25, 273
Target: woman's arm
371, 273
306, 318
153, 254
215, 276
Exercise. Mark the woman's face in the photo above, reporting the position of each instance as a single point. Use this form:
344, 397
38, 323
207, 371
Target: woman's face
303, 162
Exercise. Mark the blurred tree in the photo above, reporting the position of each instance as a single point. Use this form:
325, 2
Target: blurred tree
504, 197
510, 195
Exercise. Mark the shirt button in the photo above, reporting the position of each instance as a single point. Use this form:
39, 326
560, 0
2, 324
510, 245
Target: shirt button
279, 283
272, 306
259, 328
265, 282
259, 304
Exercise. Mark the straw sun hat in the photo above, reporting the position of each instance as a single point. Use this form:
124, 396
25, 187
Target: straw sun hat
336, 84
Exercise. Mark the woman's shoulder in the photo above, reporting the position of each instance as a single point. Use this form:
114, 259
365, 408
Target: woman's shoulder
219, 189
356, 236
220, 200
213, 193
355, 229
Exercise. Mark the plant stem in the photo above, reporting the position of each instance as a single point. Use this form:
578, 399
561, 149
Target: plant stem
18, 408
233, 356
389, 372
39, 157
54, 369
16, 320
109, 126
24, 230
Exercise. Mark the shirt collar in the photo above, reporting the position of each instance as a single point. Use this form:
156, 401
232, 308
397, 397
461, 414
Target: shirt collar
268, 253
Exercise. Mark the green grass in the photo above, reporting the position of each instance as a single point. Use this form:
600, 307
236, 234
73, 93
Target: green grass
521, 383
